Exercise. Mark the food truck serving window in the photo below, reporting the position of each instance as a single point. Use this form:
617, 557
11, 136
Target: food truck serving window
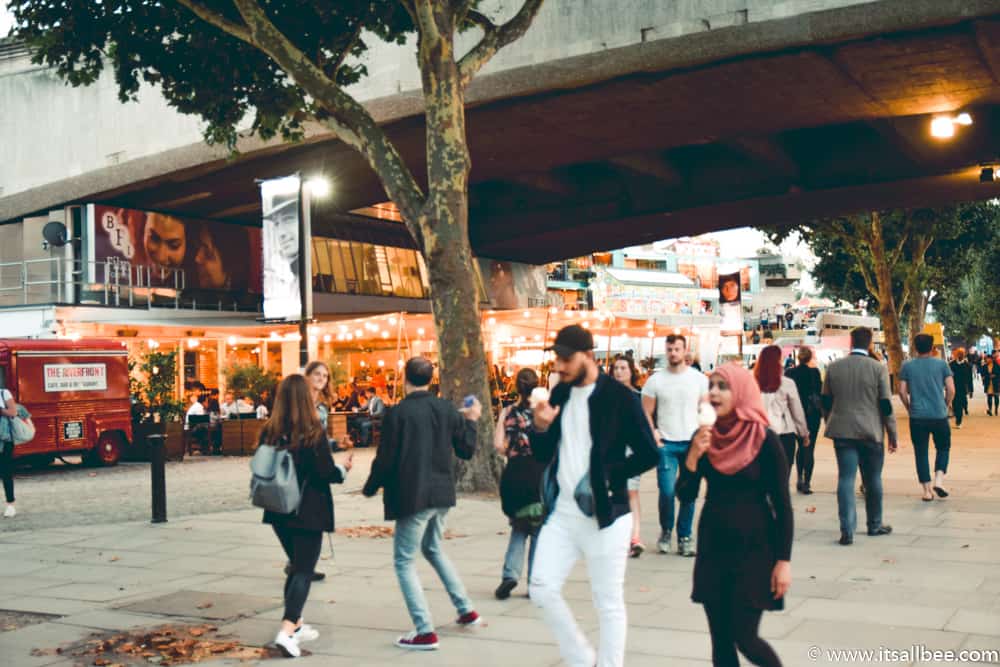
76, 377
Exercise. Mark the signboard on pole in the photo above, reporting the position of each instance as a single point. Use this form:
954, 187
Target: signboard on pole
731, 302
285, 233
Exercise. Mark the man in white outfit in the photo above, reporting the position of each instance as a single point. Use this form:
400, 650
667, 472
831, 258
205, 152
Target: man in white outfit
583, 433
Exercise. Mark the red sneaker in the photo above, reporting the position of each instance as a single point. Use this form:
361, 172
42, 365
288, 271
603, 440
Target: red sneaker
469, 618
417, 642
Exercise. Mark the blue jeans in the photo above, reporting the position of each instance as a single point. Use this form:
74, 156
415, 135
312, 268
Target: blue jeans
425, 530
672, 455
513, 562
869, 456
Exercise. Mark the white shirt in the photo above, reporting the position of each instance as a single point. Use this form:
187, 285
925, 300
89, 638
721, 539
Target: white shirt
677, 396
228, 409
574, 448
196, 409
262, 411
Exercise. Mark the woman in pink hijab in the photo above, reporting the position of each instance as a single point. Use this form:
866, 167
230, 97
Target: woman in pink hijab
743, 566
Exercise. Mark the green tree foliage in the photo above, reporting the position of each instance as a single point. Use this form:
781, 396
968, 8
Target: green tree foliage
900, 256
250, 380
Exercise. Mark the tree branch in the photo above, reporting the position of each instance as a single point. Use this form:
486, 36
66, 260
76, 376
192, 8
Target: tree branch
339, 62
233, 28
349, 119
495, 38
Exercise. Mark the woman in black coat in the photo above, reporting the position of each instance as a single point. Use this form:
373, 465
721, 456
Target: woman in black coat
743, 567
295, 425
810, 386
962, 371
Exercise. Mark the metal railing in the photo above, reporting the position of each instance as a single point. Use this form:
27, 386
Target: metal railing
104, 283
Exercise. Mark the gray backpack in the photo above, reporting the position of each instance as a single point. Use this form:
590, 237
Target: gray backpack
274, 485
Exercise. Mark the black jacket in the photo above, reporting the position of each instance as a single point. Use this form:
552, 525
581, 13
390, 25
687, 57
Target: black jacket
617, 421
315, 466
414, 461
809, 384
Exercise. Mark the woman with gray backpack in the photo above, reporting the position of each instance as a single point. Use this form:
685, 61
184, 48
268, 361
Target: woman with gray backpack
292, 472
8, 408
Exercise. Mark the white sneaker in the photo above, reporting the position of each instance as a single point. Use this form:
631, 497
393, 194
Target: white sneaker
10, 512
663, 544
289, 646
306, 633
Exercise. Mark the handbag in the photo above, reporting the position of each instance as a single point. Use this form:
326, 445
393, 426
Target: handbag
18, 429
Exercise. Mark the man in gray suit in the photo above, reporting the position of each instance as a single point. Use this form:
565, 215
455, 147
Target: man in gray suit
857, 404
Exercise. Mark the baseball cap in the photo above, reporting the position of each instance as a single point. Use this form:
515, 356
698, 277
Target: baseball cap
572, 339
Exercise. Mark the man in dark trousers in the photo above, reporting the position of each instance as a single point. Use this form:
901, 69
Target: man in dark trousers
414, 467
857, 405
594, 435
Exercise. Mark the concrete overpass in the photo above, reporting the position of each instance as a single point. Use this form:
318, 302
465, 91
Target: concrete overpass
613, 123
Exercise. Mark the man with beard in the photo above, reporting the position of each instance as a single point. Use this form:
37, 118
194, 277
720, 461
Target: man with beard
672, 395
583, 432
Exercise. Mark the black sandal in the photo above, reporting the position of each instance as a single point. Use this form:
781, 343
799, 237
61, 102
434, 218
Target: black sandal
941, 492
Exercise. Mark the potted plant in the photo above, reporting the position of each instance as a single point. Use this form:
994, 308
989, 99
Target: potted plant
156, 409
250, 380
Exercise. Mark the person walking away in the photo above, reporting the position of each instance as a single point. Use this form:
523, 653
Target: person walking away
927, 388
990, 372
810, 386
8, 408
520, 483
857, 407
415, 469
624, 371
744, 558
961, 370
781, 402
672, 396
294, 426
582, 433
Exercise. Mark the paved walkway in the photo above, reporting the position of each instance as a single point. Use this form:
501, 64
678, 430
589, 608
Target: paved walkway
934, 582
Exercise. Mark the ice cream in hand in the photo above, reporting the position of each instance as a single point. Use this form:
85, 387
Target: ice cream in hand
540, 395
706, 415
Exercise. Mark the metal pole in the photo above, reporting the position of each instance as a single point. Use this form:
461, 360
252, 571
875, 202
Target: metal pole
303, 277
157, 468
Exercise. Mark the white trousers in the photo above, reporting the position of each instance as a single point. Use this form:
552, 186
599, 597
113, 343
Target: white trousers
563, 540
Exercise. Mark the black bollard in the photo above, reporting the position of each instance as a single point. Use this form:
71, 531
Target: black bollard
157, 463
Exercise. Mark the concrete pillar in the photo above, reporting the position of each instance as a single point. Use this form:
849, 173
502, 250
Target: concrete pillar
289, 357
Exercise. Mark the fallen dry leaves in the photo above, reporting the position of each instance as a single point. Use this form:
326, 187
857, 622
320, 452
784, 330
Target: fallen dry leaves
165, 645
377, 532
810, 510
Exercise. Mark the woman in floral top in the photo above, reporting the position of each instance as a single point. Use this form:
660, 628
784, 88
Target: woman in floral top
520, 482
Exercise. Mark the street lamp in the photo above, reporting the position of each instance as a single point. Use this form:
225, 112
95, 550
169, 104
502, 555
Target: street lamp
943, 127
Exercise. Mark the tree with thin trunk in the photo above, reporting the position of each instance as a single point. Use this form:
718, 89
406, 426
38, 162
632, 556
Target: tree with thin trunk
895, 259
284, 63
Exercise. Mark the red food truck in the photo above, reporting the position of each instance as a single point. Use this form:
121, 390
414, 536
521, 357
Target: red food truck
77, 393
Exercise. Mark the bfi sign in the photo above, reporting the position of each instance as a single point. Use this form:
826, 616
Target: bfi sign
76, 377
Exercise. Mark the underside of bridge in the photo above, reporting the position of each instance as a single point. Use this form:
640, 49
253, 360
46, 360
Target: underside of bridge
822, 128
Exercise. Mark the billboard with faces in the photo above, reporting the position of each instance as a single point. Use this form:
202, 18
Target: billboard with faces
213, 255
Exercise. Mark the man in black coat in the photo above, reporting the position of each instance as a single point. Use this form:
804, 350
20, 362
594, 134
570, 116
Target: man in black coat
414, 466
594, 435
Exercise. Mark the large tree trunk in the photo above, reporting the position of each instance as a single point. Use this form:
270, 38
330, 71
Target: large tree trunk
445, 224
886, 300
918, 313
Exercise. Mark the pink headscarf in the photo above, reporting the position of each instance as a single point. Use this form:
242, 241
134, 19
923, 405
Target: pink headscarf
737, 438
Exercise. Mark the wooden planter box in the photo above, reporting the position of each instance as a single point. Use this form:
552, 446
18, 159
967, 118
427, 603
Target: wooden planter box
175, 441
139, 449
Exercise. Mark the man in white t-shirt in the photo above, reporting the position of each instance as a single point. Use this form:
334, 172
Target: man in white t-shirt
672, 395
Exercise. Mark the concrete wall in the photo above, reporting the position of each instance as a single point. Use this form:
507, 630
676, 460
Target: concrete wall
51, 131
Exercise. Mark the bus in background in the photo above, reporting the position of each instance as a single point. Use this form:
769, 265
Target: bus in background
77, 393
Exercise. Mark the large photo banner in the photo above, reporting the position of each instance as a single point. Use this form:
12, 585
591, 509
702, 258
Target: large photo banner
731, 302
281, 228
210, 255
